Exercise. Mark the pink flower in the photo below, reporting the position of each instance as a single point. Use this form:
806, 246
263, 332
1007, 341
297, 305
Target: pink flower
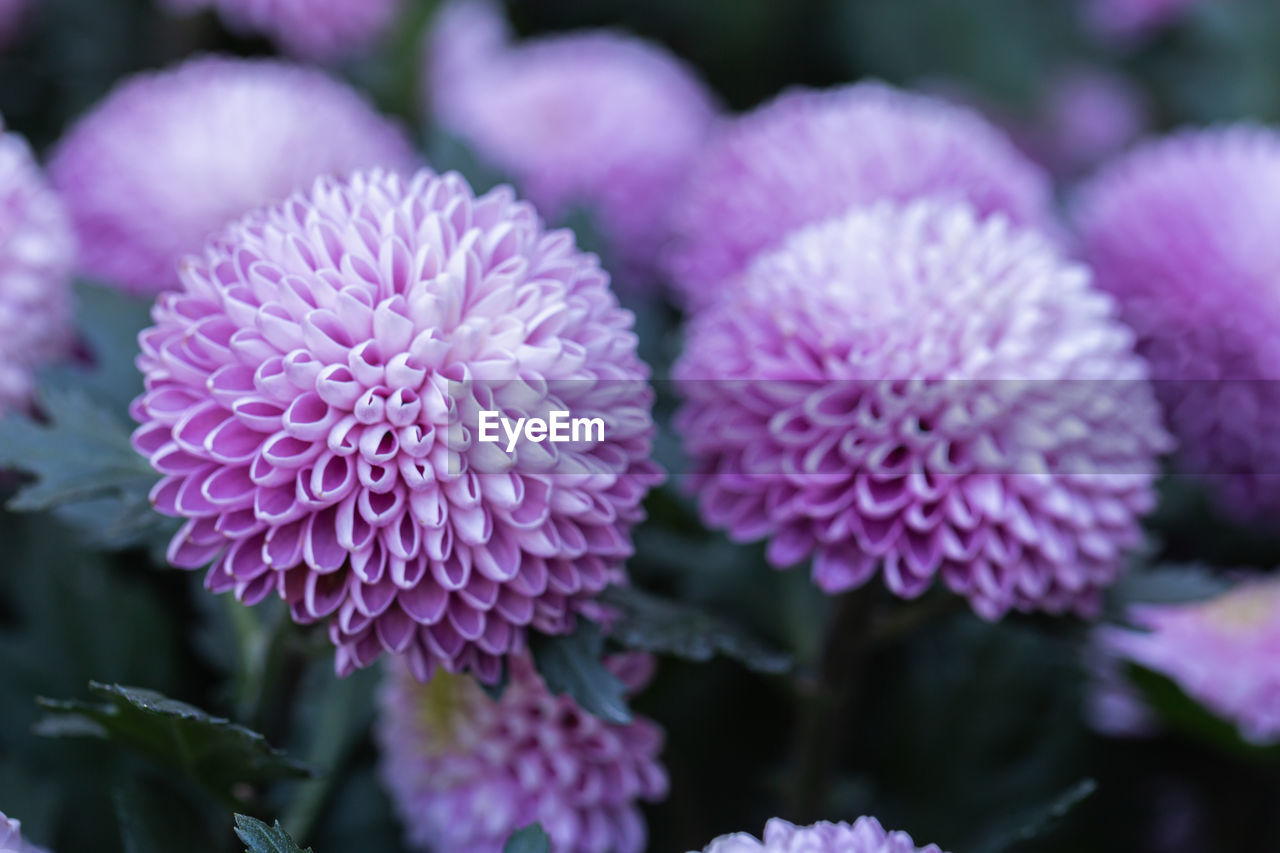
313, 396
221, 137
1179, 231
1223, 653
865, 835
321, 30
465, 771
808, 155
595, 119
37, 252
1089, 115
927, 393
11, 840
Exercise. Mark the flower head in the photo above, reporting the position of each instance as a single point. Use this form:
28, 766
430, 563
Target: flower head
12, 15
465, 771
1180, 232
221, 137
595, 119
321, 30
1089, 115
37, 252
808, 155
313, 395
920, 390
865, 835
11, 840
1221, 652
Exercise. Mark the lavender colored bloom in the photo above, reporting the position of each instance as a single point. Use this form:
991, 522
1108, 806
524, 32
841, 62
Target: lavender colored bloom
1179, 231
464, 771
922, 391
171, 157
11, 840
321, 30
1221, 652
312, 399
1089, 115
36, 257
865, 835
595, 119
808, 155
1127, 20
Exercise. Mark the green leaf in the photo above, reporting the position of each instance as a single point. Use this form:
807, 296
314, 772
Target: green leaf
530, 839
572, 665
1039, 823
261, 838
108, 322
1183, 715
1168, 584
210, 750
655, 624
81, 456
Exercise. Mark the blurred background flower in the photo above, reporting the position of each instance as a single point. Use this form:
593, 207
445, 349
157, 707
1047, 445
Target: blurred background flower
323, 30
865, 835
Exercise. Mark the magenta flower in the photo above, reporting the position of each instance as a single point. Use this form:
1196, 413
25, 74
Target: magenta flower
927, 393
1221, 652
313, 396
865, 835
1089, 115
595, 119
320, 30
11, 840
464, 771
1179, 232
221, 137
808, 155
1127, 20
37, 253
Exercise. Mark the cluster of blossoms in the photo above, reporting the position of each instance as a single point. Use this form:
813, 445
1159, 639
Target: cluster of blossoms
1179, 232
37, 252
223, 136
11, 840
309, 395
466, 771
918, 390
1221, 652
595, 119
321, 30
809, 155
865, 835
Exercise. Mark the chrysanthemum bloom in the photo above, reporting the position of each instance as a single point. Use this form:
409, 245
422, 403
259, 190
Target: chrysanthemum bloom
808, 155
1089, 115
1181, 232
919, 389
313, 397
1126, 20
865, 835
320, 30
1223, 653
169, 158
464, 771
36, 257
11, 840
595, 119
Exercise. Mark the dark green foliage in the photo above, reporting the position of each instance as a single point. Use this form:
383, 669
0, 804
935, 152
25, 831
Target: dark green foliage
573, 665
531, 839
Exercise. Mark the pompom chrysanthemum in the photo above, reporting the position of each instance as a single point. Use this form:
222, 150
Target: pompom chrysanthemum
465, 771
11, 840
595, 119
37, 253
171, 157
1181, 232
865, 835
929, 393
313, 396
810, 155
1223, 653
320, 30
